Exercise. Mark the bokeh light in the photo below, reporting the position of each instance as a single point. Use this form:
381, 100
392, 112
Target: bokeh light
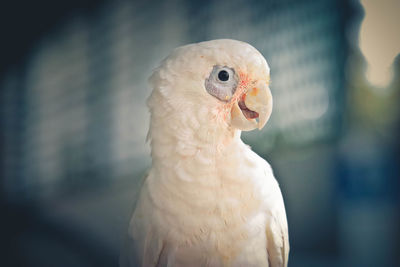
380, 39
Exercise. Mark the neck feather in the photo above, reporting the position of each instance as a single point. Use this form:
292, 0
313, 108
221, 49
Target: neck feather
194, 132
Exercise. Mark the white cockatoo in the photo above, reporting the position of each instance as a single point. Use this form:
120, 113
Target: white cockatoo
208, 199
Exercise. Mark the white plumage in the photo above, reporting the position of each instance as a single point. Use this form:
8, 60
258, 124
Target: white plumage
208, 199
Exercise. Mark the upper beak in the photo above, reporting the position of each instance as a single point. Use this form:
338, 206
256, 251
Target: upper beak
257, 99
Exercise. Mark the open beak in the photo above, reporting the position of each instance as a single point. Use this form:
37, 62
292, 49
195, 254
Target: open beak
253, 108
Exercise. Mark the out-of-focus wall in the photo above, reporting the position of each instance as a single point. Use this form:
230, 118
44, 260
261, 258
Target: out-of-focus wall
74, 117
76, 107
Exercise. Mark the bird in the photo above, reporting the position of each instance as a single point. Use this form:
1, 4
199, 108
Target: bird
208, 199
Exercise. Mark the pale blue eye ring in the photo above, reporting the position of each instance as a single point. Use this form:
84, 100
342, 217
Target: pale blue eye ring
222, 82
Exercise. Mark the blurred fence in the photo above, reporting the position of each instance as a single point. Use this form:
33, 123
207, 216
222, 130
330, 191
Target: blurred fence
74, 114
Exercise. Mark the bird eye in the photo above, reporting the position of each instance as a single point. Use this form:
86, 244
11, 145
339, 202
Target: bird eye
222, 83
223, 75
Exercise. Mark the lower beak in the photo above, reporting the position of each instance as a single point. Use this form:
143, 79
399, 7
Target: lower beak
254, 103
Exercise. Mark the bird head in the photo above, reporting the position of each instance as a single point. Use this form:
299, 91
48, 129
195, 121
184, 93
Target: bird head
225, 80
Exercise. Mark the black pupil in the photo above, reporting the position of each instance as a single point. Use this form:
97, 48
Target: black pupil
223, 75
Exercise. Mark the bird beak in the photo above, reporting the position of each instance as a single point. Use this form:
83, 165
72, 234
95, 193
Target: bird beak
253, 108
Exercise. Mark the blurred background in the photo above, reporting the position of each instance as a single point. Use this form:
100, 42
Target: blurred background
73, 121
